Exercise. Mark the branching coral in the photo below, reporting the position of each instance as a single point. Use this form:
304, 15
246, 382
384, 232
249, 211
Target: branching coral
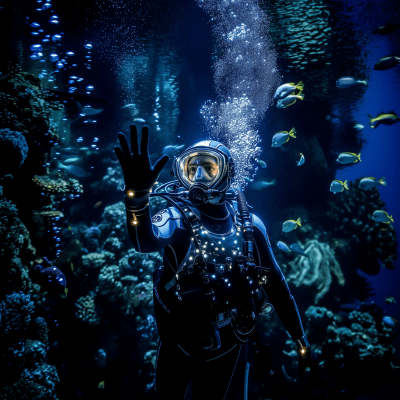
86, 310
110, 284
97, 260
57, 186
350, 217
140, 263
16, 311
37, 383
316, 270
114, 221
113, 244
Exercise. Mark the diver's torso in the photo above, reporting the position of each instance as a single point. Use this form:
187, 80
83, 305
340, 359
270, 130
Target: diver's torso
200, 294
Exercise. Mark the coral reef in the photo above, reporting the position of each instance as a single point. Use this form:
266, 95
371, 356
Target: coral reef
316, 270
97, 260
113, 180
86, 310
110, 284
13, 150
57, 186
347, 342
349, 217
16, 311
17, 251
25, 109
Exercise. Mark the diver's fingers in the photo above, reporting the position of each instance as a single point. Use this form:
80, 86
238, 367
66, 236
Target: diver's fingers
160, 164
134, 140
124, 146
119, 155
144, 145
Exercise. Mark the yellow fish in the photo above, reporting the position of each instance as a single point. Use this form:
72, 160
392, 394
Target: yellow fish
370, 183
291, 225
72, 267
289, 100
389, 118
66, 291
338, 186
101, 385
348, 158
382, 216
390, 300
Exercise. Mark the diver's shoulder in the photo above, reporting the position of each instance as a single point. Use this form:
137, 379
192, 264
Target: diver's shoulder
258, 223
162, 216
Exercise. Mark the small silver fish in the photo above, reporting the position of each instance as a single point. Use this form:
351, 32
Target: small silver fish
302, 160
348, 158
139, 120
349, 82
172, 148
338, 186
282, 137
289, 100
291, 225
283, 246
358, 127
72, 160
369, 183
287, 89
247, 179
382, 216
132, 105
260, 185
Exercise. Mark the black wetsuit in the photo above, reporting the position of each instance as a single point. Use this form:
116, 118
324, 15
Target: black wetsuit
197, 341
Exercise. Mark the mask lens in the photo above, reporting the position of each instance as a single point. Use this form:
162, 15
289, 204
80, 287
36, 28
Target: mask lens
202, 168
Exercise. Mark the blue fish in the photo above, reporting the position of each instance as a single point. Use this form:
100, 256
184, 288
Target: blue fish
295, 247
389, 321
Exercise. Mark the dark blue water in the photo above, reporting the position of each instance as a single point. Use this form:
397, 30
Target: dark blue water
380, 156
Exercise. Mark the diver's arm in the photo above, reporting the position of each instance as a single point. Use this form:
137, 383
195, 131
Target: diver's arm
280, 297
277, 289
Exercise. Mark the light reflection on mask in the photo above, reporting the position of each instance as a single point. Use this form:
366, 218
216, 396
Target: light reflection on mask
202, 168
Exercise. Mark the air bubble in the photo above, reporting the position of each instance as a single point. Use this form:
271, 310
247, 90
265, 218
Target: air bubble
70, 53
35, 25
88, 46
36, 47
53, 57
90, 87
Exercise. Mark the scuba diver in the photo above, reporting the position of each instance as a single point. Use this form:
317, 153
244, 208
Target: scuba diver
218, 269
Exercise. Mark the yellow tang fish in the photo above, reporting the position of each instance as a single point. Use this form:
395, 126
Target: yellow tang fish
348, 158
290, 225
382, 216
338, 186
389, 118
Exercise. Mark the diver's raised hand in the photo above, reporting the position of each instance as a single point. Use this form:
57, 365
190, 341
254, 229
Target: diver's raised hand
139, 174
